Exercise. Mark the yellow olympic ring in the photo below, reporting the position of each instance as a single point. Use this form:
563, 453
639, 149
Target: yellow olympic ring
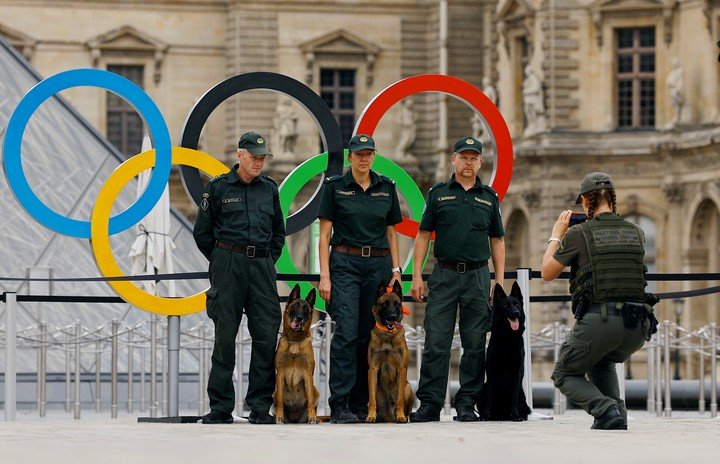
100, 238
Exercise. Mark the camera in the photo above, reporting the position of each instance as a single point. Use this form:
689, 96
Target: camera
577, 218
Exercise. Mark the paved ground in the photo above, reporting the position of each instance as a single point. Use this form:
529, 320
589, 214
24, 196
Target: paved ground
686, 437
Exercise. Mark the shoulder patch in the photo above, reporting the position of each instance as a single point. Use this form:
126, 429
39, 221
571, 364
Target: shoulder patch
217, 178
269, 179
332, 179
387, 179
435, 186
491, 190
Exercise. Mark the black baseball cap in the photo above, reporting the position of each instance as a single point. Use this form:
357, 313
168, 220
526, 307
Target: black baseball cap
468, 143
254, 143
361, 142
594, 181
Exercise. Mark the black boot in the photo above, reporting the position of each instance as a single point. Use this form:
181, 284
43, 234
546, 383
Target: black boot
261, 417
341, 414
425, 413
217, 417
609, 420
466, 413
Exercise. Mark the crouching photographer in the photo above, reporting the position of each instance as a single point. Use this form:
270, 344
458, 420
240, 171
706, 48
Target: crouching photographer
612, 311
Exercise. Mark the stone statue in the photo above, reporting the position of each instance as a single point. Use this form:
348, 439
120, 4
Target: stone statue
675, 84
284, 133
408, 128
533, 103
476, 122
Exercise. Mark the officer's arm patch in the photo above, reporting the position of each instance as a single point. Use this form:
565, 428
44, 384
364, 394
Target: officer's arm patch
204, 204
332, 179
387, 179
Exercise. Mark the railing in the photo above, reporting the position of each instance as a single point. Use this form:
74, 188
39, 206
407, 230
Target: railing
140, 345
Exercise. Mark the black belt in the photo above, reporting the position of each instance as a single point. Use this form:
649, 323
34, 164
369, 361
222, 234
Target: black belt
462, 267
251, 251
596, 308
365, 251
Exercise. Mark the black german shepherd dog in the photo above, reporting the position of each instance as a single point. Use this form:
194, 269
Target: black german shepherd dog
502, 396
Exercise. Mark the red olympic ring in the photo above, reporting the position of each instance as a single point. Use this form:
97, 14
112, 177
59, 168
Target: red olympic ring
462, 90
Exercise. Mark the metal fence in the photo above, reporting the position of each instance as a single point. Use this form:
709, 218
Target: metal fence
144, 370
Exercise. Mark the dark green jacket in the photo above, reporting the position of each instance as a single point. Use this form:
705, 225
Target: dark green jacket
240, 213
462, 220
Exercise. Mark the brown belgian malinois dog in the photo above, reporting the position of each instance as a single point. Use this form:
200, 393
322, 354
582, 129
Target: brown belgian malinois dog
296, 397
391, 397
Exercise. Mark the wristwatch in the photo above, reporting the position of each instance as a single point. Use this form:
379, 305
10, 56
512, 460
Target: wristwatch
397, 269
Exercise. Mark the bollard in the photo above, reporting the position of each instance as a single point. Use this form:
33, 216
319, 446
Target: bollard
650, 377
173, 369
201, 371
77, 369
130, 379
241, 368
701, 365
658, 377
238, 373
713, 371
558, 397
666, 350
142, 379
10, 355
418, 357
317, 347
114, 371
164, 376
98, 384
328, 340
42, 373
68, 398
446, 403
153, 366
523, 280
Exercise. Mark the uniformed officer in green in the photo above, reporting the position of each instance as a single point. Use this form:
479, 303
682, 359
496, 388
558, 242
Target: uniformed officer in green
241, 231
358, 213
465, 216
607, 282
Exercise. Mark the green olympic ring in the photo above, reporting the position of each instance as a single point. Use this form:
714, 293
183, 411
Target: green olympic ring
304, 173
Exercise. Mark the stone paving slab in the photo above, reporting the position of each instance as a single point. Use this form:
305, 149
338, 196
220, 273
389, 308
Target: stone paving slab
687, 437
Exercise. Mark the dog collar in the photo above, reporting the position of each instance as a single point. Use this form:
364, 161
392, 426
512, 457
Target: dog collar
384, 328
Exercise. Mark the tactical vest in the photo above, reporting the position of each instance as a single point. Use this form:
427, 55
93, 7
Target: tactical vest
616, 271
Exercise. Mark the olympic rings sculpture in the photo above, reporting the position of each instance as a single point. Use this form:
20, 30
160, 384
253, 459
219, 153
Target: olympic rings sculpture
101, 226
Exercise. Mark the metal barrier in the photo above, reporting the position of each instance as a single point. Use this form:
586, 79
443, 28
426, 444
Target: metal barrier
75, 341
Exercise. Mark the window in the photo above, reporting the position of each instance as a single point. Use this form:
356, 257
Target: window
124, 124
635, 78
337, 89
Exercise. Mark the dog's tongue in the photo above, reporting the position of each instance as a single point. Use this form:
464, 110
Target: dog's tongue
294, 325
395, 325
514, 324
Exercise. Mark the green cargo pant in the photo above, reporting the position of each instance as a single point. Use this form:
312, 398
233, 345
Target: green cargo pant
355, 281
449, 289
593, 347
239, 282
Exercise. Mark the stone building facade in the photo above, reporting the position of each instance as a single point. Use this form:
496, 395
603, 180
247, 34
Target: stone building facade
630, 87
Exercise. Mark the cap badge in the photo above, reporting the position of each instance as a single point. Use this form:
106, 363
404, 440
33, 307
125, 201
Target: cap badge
363, 139
470, 142
260, 140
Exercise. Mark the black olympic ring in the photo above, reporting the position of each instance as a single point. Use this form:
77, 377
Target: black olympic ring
303, 95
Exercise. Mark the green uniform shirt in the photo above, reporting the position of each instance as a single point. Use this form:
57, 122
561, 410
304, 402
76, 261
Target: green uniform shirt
360, 218
462, 220
241, 213
573, 250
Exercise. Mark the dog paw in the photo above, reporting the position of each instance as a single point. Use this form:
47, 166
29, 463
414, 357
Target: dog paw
279, 420
371, 419
401, 419
313, 420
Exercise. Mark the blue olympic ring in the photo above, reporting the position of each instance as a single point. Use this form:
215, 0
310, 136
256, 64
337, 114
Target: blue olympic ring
124, 88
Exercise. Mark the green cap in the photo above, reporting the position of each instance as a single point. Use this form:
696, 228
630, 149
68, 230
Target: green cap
468, 143
254, 143
594, 181
361, 142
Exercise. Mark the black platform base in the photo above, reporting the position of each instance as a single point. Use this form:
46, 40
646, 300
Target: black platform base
171, 420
